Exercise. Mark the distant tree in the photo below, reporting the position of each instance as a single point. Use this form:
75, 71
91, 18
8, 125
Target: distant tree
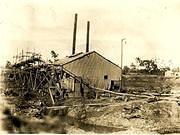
176, 69
54, 55
150, 66
8, 64
133, 66
50, 61
164, 69
138, 60
126, 70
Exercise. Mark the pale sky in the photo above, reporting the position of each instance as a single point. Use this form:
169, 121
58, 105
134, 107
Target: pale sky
151, 28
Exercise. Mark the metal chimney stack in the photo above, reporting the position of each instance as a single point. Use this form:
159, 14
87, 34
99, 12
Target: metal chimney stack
74, 34
87, 37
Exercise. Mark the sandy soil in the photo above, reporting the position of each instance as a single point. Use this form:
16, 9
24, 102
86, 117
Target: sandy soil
159, 117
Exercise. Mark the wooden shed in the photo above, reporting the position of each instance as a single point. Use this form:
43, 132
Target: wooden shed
93, 68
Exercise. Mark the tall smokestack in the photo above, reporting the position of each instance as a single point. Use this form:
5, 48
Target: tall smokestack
87, 37
74, 34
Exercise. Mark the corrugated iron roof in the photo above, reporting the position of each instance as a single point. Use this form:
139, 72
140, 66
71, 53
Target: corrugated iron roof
71, 58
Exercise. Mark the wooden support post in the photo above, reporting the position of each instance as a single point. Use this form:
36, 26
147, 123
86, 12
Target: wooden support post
81, 88
31, 79
58, 87
35, 80
40, 83
97, 95
28, 80
20, 79
50, 92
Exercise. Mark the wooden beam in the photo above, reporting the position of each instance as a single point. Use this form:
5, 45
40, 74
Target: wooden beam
95, 104
117, 93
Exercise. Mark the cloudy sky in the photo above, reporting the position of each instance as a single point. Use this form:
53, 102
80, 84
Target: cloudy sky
151, 28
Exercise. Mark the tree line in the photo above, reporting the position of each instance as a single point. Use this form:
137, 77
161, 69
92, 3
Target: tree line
141, 66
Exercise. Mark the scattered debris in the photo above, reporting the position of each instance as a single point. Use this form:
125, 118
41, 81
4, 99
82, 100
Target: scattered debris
152, 99
178, 102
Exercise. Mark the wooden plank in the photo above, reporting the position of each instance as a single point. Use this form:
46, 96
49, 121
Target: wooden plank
95, 104
117, 93
158, 94
57, 107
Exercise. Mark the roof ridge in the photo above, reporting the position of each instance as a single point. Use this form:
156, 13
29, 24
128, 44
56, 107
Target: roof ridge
88, 53
83, 55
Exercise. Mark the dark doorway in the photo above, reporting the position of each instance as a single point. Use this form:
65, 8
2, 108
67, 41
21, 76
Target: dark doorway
112, 85
115, 85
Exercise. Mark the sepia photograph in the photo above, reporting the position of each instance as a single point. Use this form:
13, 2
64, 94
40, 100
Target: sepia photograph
90, 67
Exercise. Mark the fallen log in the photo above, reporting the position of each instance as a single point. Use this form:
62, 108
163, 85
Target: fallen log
158, 94
62, 107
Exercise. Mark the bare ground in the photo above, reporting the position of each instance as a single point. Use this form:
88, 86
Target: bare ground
117, 116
